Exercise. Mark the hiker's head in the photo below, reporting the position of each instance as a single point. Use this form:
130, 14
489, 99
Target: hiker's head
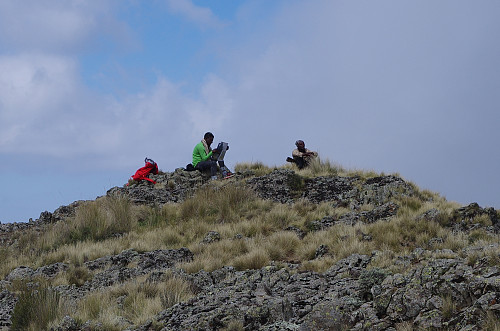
209, 138
300, 145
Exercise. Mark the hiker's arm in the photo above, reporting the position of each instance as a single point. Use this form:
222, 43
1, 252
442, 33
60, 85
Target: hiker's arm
297, 153
312, 153
205, 156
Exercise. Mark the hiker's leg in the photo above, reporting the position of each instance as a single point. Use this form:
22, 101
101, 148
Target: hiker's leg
300, 162
204, 165
224, 169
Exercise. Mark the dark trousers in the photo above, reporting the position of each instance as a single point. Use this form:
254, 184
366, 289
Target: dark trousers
205, 165
300, 162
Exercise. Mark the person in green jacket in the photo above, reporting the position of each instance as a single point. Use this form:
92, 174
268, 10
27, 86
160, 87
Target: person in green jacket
202, 157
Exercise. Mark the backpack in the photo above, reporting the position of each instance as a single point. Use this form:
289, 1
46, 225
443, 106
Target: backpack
143, 173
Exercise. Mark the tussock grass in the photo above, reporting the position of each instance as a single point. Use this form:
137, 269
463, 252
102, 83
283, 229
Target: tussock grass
35, 308
133, 301
405, 232
255, 259
218, 204
319, 167
102, 219
282, 246
258, 168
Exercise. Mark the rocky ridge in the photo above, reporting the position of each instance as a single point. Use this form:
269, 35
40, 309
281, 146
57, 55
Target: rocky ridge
349, 295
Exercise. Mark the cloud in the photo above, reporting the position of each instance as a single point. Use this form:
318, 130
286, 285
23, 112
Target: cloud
45, 111
58, 26
202, 16
368, 85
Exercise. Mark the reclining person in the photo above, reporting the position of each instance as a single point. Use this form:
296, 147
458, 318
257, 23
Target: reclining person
302, 156
203, 157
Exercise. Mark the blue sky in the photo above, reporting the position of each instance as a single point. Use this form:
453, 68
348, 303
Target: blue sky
88, 89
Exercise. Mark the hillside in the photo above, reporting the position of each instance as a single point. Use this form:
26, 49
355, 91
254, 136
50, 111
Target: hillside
270, 249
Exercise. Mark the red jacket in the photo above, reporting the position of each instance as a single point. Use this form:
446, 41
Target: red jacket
142, 173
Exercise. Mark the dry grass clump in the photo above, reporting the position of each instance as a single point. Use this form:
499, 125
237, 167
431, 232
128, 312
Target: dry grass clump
102, 219
490, 322
258, 168
156, 216
37, 306
132, 302
325, 167
214, 204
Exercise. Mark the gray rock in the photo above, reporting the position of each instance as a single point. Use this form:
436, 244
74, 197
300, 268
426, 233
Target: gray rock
211, 237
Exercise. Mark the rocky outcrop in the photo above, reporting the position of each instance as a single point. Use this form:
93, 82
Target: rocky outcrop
281, 185
7, 230
7, 303
382, 212
349, 295
170, 187
473, 217
354, 294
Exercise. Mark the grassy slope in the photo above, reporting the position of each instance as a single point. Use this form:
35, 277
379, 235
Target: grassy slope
233, 211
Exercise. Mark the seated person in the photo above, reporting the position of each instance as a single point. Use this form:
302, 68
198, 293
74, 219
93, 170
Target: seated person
203, 157
301, 155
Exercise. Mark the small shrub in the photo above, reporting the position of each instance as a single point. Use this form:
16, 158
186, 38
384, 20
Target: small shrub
296, 183
371, 277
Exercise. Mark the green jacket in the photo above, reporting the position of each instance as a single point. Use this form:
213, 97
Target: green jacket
199, 154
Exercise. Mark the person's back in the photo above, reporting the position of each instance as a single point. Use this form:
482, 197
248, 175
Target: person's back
200, 154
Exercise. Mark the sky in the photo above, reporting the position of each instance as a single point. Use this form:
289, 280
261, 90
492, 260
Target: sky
88, 89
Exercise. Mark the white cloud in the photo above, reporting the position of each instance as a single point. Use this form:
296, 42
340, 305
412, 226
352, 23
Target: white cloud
202, 16
30, 82
57, 26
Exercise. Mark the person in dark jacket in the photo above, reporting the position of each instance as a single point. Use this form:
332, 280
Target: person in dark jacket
301, 156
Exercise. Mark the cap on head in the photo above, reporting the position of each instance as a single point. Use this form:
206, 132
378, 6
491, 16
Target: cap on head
208, 135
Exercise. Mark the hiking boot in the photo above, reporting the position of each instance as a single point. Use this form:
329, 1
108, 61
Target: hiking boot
289, 159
